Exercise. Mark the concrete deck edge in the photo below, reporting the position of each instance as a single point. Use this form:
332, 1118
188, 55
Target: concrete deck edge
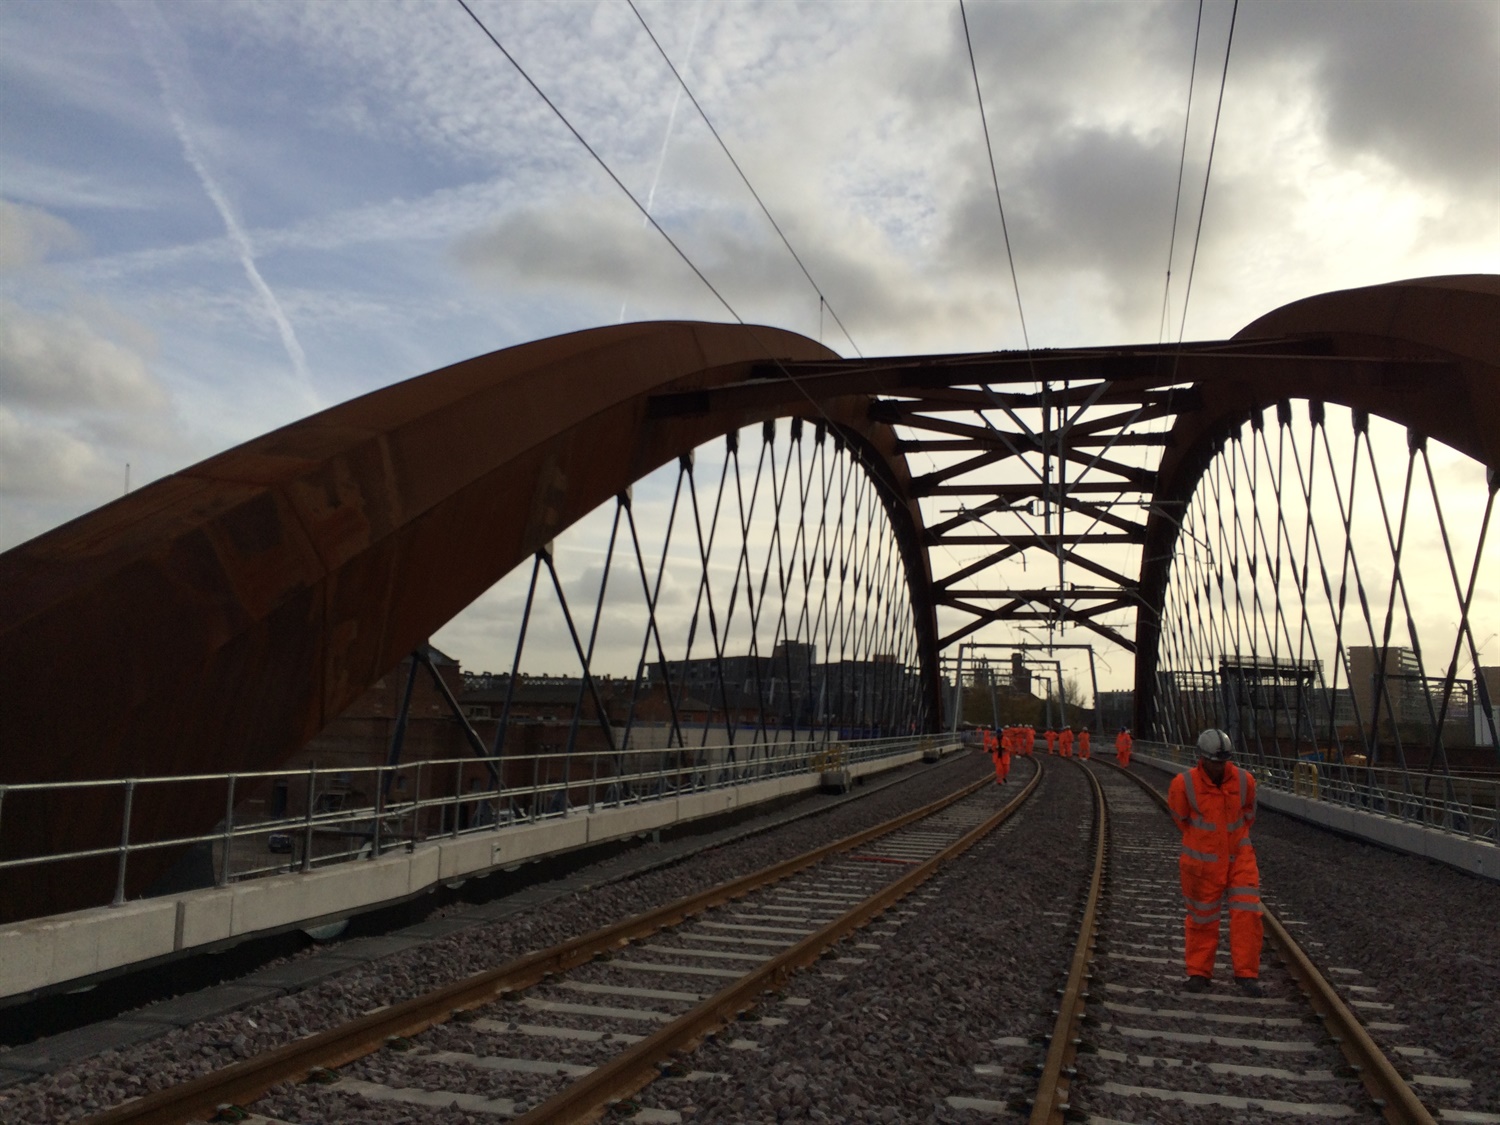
43, 953
1473, 857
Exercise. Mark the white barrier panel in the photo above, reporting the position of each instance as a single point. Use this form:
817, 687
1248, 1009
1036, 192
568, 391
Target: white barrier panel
43, 952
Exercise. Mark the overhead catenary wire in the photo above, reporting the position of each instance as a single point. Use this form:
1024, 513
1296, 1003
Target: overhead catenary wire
989, 149
823, 301
639, 206
1187, 118
1207, 173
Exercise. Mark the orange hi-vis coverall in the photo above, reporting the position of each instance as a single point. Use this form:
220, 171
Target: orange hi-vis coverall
1083, 744
1001, 752
1218, 864
1123, 745
1052, 742
1066, 743
1030, 740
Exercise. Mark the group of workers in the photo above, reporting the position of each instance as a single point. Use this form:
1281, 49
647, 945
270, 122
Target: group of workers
1022, 740
1213, 806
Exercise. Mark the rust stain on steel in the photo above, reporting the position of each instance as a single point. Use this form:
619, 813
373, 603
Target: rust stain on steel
635, 1068
217, 619
243, 1082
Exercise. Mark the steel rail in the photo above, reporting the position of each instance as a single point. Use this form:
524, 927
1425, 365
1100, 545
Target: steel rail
1051, 1101
245, 1081
1392, 1095
627, 1073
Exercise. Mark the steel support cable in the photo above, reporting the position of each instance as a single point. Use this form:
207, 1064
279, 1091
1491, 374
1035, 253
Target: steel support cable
652, 592
1307, 479
588, 654
1466, 598
1305, 637
1415, 446
1282, 631
1349, 559
705, 555
823, 301
772, 546
588, 678
743, 565
1275, 626
1398, 583
1187, 118
515, 668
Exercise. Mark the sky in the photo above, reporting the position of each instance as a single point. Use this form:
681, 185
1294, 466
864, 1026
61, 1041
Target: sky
217, 218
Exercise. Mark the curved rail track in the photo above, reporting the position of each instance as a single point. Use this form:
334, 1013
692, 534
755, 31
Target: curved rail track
1121, 1039
631, 999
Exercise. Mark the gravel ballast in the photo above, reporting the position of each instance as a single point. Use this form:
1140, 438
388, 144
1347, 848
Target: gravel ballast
93, 1084
1418, 935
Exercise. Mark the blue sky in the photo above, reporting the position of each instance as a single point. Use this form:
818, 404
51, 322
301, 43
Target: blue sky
216, 218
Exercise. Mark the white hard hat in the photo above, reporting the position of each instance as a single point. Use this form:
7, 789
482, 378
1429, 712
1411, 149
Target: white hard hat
1215, 745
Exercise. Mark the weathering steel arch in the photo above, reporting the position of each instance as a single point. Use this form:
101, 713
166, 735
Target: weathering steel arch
223, 615
1424, 354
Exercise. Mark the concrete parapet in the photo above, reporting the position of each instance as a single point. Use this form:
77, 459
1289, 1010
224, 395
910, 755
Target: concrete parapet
45, 952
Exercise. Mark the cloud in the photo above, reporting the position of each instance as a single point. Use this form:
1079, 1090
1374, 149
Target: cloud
60, 363
1417, 87
193, 154
39, 461
29, 236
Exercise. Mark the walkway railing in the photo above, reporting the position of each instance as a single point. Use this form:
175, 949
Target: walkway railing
341, 814
1464, 806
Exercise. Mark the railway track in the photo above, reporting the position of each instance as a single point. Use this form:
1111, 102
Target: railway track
565, 1033
1130, 1045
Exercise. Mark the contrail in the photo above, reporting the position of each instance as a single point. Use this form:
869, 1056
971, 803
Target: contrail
215, 193
661, 157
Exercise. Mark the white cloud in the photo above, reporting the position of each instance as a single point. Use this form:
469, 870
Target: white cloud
60, 363
29, 236
43, 461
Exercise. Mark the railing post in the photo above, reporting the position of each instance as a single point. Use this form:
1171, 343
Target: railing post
307, 831
379, 812
417, 811
228, 834
124, 842
458, 792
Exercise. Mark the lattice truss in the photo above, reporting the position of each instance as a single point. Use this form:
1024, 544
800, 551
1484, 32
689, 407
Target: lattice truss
751, 592
1335, 590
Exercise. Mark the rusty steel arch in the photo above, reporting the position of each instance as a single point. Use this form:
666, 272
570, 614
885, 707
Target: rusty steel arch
220, 617
1423, 353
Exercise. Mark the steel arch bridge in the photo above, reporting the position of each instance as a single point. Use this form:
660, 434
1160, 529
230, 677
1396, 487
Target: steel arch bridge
219, 618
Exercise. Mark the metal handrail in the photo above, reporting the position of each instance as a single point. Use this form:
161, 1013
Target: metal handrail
637, 775
1374, 790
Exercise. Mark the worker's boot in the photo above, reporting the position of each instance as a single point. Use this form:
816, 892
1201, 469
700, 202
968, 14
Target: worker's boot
1197, 984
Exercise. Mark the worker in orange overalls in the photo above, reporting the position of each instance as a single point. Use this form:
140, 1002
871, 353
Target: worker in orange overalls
1124, 744
1083, 744
1214, 806
1001, 751
1065, 742
1030, 740
1051, 741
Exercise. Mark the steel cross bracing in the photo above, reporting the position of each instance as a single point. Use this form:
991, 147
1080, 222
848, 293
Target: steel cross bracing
1036, 495
1327, 599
